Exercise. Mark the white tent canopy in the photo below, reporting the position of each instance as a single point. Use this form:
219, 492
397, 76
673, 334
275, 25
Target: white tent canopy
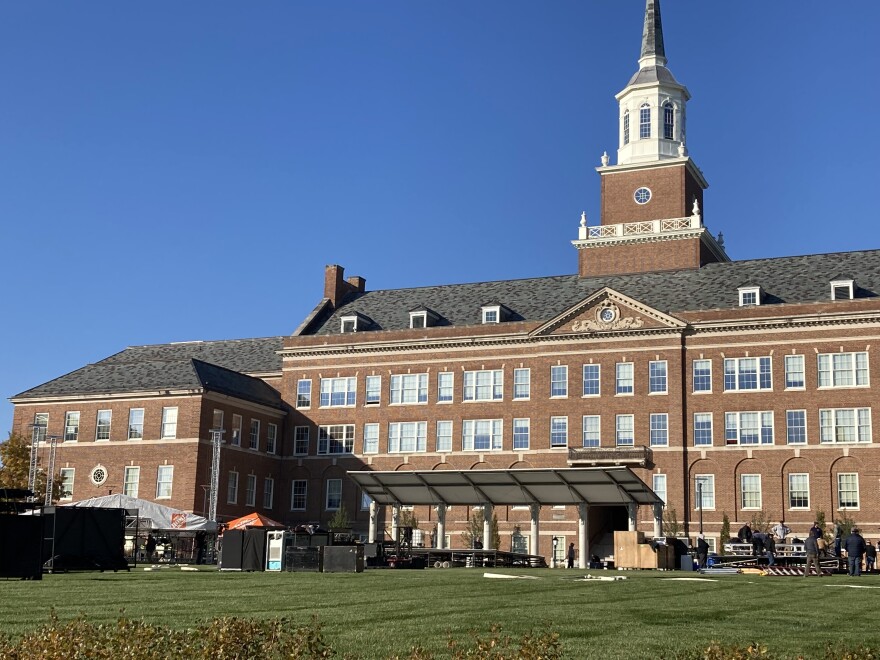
162, 517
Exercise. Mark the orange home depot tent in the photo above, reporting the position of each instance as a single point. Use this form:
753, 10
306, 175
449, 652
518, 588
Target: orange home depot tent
254, 520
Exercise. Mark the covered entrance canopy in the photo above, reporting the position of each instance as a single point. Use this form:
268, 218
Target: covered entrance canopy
598, 486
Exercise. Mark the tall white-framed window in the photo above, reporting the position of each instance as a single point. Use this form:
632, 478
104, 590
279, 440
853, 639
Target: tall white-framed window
41, 425
626, 127
559, 432
704, 491
668, 121
236, 430
796, 427
559, 381
702, 429
67, 478
268, 492
232, 487
658, 485
481, 434
843, 369
338, 392
445, 385
250, 490
336, 439
848, 490
366, 500
657, 381
102, 424
131, 477
702, 375
371, 438
135, 423
522, 383
592, 373
407, 437
304, 393
255, 434
444, 436
409, 388
164, 481
71, 426
217, 419
272, 439
799, 491
373, 390
301, 440
748, 428
845, 425
487, 385
644, 121
625, 430
747, 374
750, 491
592, 426
659, 429
169, 422
334, 494
298, 491
794, 372
624, 378
521, 431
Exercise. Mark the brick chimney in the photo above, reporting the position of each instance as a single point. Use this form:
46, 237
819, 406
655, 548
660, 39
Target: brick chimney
336, 288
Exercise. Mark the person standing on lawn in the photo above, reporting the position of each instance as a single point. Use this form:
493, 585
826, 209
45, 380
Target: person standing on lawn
570, 555
855, 548
870, 557
702, 551
811, 545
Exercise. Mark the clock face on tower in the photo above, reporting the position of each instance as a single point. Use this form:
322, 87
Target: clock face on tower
642, 195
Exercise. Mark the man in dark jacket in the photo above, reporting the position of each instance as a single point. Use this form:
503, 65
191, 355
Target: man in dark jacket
745, 533
811, 546
855, 548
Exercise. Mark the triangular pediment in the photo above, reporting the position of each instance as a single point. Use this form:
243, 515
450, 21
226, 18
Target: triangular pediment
608, 310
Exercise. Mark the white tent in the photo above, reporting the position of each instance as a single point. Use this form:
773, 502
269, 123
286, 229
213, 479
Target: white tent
162, 517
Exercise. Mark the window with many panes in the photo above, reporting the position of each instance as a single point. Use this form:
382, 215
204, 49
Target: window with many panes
558, 381
41, 424
298, 491
371, 438
268, 492
236, 430
845, 425
67, 477
484, 385
271, 438
102, 424
409, 388
337, 392
668, 121
255, 434
704, 491
303, 393
799, 491
301, 440
131, 477
794, 372
625, 430
336, 439
644, 121
702, 429
232, 488
559, 431
659, 429
796, 427
250, 490
750, 491
334, 494
135, 423
658, 485
71, 427
444, 436
702, 375
591, 379
624, 378
848, 490
748, 428
373, 390
521, 428
843, 369
522, 387
591, 430
481, 434
445, 381
407, 437
169, 422
164, 479
744, 374
657, 377
626, 127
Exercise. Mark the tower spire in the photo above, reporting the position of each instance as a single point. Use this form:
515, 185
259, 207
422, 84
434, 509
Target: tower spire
652, 36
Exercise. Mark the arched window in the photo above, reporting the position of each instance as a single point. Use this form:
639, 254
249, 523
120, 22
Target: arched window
668, 121
644, 121
626, 127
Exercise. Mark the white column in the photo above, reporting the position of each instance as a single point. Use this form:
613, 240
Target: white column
583, 535
534, 545
632, 509
374, 516
487, 527
658, 519
395, 520
440, 541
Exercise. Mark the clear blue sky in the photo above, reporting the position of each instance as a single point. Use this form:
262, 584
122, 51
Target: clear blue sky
174, 171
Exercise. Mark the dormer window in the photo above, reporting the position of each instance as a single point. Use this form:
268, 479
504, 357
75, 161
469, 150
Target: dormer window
668, 121
418, 319
842, 290
491, 313
349, 324
644, 121
749, 296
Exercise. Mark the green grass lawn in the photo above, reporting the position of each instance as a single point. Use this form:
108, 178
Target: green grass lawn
381, 612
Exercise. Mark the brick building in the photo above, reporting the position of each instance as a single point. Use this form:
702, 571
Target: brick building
737, 388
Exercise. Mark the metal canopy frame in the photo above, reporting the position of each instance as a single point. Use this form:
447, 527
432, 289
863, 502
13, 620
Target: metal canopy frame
596, 486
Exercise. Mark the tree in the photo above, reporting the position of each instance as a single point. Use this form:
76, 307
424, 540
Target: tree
474, 530
827, 534
671, 526
725, 530
339, 522
407, 518
15, 467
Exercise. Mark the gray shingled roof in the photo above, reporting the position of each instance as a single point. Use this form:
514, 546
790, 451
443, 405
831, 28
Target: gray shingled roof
783, 280
220, 366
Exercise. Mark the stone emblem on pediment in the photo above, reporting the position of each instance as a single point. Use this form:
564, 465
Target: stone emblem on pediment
607, 316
